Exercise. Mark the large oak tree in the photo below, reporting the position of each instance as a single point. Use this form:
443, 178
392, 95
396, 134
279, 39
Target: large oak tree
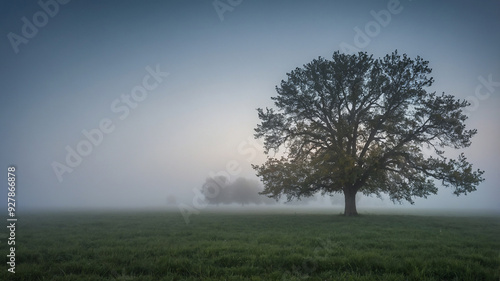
359, 124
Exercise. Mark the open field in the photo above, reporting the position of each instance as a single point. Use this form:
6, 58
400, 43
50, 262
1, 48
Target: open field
253, 246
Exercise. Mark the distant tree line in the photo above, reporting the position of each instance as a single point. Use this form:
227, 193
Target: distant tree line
220, 190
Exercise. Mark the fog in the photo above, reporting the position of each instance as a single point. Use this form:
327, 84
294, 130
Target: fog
139, 105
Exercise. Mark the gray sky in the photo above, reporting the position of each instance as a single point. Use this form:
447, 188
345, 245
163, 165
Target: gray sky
102, 65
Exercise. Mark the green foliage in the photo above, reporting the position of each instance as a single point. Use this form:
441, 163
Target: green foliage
358, 124
254, 246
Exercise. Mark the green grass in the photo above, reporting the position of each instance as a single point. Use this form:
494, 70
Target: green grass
253, 246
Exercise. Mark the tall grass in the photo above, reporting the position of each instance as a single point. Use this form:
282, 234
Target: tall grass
253, 246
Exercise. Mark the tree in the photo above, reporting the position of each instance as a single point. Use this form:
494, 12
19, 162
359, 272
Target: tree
220, 190
216, 190
246, 191
358, 124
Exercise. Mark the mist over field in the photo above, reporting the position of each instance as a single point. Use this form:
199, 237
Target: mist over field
128, 149
137, 104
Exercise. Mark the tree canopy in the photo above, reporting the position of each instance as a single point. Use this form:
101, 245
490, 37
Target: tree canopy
359, 124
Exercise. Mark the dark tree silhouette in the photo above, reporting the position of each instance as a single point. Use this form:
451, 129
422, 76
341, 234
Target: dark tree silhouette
358, 124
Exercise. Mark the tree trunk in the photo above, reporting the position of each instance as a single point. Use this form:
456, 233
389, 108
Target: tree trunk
350, 203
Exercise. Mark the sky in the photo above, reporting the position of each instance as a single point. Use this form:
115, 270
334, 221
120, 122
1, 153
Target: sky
129, 103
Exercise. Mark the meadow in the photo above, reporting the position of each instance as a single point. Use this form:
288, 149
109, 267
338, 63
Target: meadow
159, 245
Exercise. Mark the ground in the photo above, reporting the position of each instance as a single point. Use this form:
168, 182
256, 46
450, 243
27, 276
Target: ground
261, 245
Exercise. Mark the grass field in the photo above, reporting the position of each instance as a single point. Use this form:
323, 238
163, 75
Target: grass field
253, 246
